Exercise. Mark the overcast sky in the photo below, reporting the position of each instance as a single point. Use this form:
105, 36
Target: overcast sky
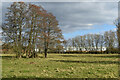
79, 18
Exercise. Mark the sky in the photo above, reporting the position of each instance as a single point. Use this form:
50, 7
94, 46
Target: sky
79, 18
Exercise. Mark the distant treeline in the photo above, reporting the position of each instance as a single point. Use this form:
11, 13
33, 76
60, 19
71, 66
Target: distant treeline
93, 43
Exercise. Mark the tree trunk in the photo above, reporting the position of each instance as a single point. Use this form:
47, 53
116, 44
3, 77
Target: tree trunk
118, 38
101, 49
45, 52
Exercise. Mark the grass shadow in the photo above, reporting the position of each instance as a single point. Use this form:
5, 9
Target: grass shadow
8, 57
98, 62
111, 56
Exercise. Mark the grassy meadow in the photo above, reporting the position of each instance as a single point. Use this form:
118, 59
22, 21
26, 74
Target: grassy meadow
61, 66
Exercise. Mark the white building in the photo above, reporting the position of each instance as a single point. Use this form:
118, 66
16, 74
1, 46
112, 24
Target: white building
37, 50
70, 48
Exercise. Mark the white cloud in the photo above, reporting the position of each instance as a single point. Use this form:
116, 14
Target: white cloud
90, 24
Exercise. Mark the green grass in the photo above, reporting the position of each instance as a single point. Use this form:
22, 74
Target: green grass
61, 66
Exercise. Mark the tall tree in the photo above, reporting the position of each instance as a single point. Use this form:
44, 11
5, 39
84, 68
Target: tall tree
101, 43
33, 28
109, 37
97, 41
117, 23
13, 28
50, 32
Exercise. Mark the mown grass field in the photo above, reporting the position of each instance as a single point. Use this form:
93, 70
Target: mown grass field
61, 66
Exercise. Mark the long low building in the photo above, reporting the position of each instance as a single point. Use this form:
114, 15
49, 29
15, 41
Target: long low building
84, 49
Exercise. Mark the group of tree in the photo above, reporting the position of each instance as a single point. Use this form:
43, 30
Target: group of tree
94, 43
27, 27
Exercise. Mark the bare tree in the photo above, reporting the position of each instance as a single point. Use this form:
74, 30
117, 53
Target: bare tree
101, 43
97, 41
13, 28
50, 32
109, 37
117, 23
